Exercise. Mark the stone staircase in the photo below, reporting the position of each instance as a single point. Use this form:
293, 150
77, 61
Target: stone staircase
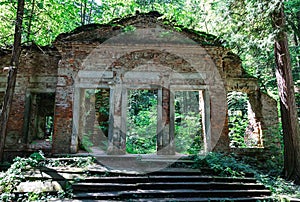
167, 181
168, 184
171, 184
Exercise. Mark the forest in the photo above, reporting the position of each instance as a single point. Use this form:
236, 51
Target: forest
264, 33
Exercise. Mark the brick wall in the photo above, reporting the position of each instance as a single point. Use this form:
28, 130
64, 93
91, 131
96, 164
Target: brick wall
37, 73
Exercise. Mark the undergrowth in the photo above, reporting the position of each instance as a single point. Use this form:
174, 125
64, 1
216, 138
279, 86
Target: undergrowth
10, 179
266, 173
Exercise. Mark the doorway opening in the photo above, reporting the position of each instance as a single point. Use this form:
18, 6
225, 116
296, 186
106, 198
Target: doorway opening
188, 122
41, 120
141, 121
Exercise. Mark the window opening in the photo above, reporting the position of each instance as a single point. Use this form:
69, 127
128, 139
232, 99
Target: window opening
141, 121
188, 122
238, 120
94, 119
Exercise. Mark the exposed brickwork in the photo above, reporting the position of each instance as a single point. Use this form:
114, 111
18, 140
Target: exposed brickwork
37, 73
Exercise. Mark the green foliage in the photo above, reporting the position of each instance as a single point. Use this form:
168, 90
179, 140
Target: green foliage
141, 122
188, 134
129, 28
188, 122
43, 21
81, 162
49, 126
102, 109
86, 142
279, 186
237, 118
233, 166
224, 165
10, 179
36, 196
95, 124
247, 28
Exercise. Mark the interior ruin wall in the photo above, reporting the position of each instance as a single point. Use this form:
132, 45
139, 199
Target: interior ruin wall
37, 74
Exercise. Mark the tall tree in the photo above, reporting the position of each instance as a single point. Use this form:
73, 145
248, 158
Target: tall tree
290, 125
292, 13
12, 76
247, 28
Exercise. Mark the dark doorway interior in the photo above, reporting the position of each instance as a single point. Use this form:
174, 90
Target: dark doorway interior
41, 119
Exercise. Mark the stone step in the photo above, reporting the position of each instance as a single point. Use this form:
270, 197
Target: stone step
178, 199
165, 171
150, 160
210, 199
160, 178
166, 186
170, 183
170, 194
143, 163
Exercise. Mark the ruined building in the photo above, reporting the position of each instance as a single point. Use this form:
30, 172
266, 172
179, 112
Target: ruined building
78, 91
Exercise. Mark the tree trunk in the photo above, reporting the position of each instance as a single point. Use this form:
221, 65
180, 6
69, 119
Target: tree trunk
83, 12
30, 21
288, 111
11, 79
90, 13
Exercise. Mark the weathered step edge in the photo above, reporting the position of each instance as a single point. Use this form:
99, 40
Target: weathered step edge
172, 193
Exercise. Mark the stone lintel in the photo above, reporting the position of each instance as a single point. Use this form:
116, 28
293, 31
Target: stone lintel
95, 74
242, 84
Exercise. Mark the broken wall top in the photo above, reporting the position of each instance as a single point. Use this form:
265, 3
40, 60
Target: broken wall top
89, 36
37, 69
98, 33
150, 29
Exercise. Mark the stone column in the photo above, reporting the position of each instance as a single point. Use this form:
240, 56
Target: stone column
165, 137
117, 136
